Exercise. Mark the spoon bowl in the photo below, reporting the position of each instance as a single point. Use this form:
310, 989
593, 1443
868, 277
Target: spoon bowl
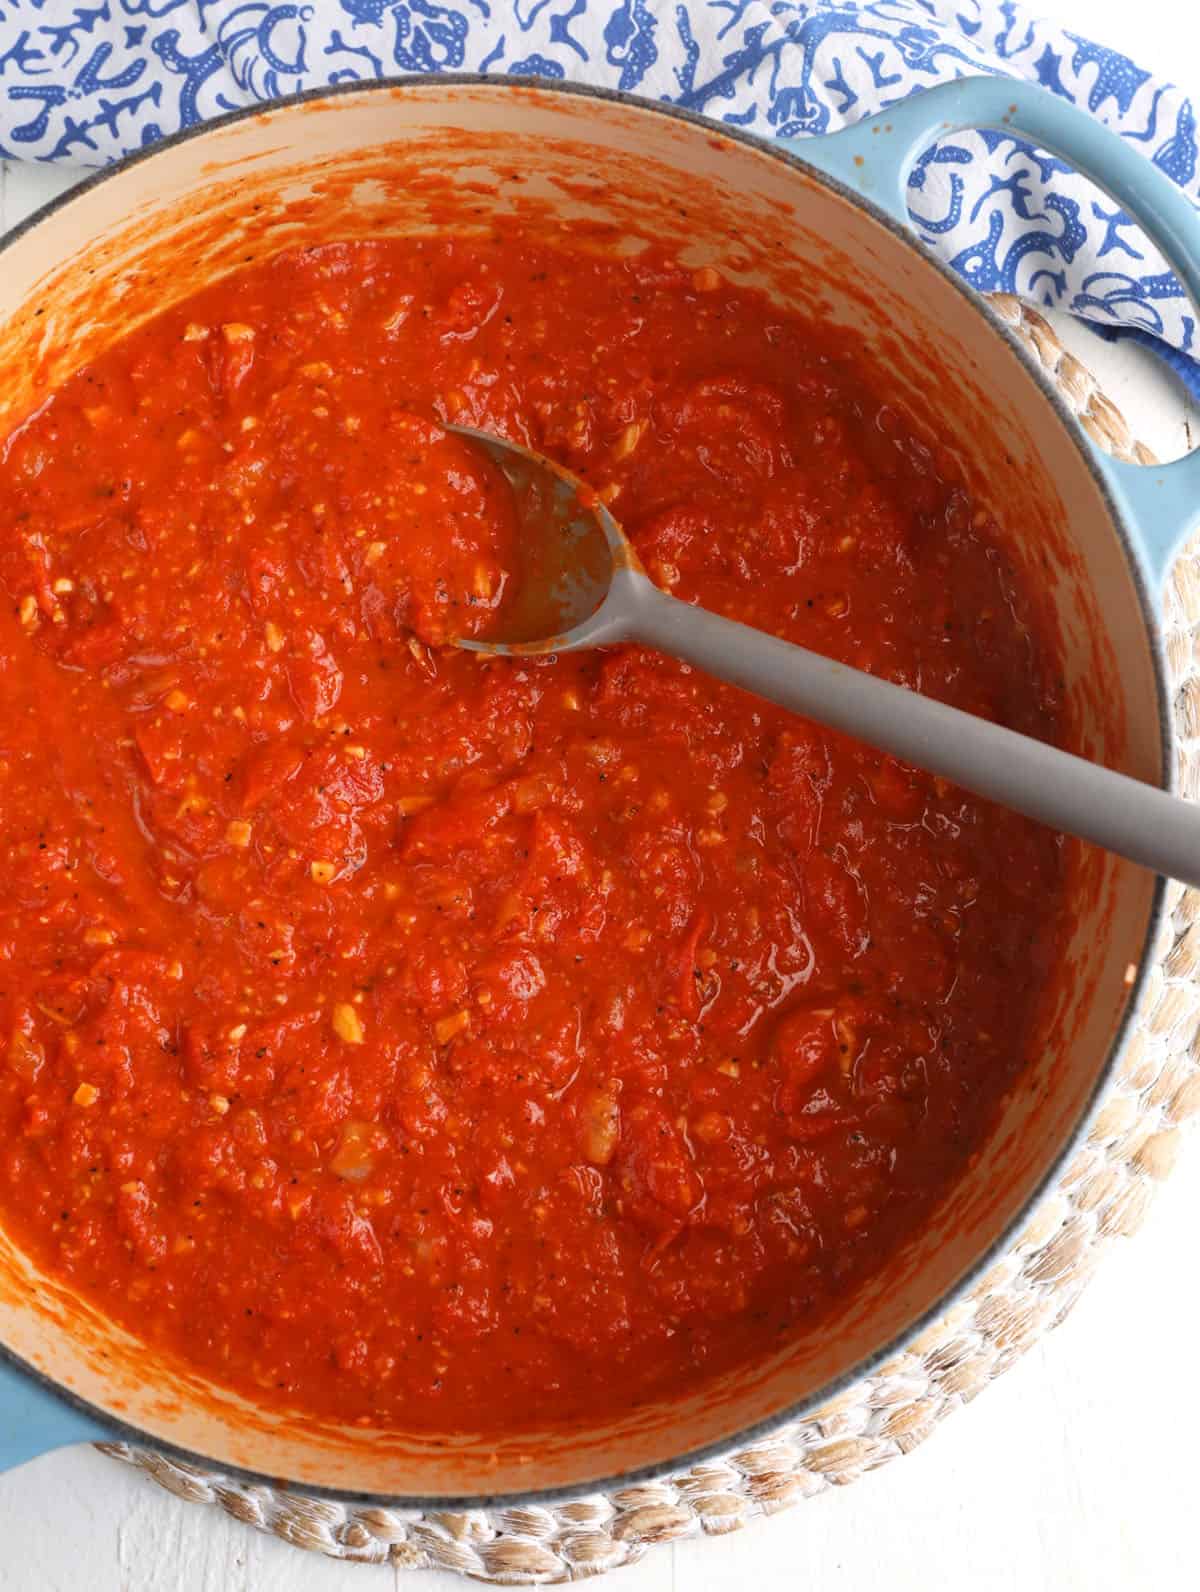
571, 549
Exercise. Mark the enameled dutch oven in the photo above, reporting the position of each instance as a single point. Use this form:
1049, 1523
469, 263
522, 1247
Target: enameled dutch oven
820, 225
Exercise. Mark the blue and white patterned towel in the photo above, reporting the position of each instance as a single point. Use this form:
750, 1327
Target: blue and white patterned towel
83, 81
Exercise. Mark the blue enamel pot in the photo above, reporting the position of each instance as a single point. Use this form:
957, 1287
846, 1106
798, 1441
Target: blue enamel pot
822, 226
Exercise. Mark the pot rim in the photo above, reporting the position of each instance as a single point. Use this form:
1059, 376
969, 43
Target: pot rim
757, 1431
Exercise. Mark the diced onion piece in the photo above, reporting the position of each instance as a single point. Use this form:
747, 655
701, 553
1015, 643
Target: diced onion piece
628, 440
347, 1024
446, 1028
601, 1120
355, 1157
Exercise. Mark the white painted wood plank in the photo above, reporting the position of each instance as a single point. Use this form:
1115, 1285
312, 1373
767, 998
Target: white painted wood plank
1157, 405
26, 187
1074, 1472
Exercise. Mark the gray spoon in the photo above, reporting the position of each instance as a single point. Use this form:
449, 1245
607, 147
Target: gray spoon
585, 587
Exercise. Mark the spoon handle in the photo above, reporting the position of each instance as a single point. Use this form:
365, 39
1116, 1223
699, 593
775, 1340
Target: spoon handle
1068, 793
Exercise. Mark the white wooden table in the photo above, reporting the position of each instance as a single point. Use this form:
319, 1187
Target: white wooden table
1075, 1471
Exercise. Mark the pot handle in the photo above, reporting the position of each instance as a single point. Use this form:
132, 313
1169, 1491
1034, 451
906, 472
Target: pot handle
34, 1419
875, 156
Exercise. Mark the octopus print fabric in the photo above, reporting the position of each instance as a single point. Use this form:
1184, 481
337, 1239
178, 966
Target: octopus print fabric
86, 83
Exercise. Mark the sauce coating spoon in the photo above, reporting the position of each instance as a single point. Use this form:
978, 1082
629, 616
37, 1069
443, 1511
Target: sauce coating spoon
584, 586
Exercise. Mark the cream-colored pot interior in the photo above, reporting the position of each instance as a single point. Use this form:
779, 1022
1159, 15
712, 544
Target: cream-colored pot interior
608, 172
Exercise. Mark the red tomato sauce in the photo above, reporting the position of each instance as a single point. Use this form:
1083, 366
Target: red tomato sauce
438, 1042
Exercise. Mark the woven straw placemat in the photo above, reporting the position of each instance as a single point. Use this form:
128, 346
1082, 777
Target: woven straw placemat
1102, 1195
